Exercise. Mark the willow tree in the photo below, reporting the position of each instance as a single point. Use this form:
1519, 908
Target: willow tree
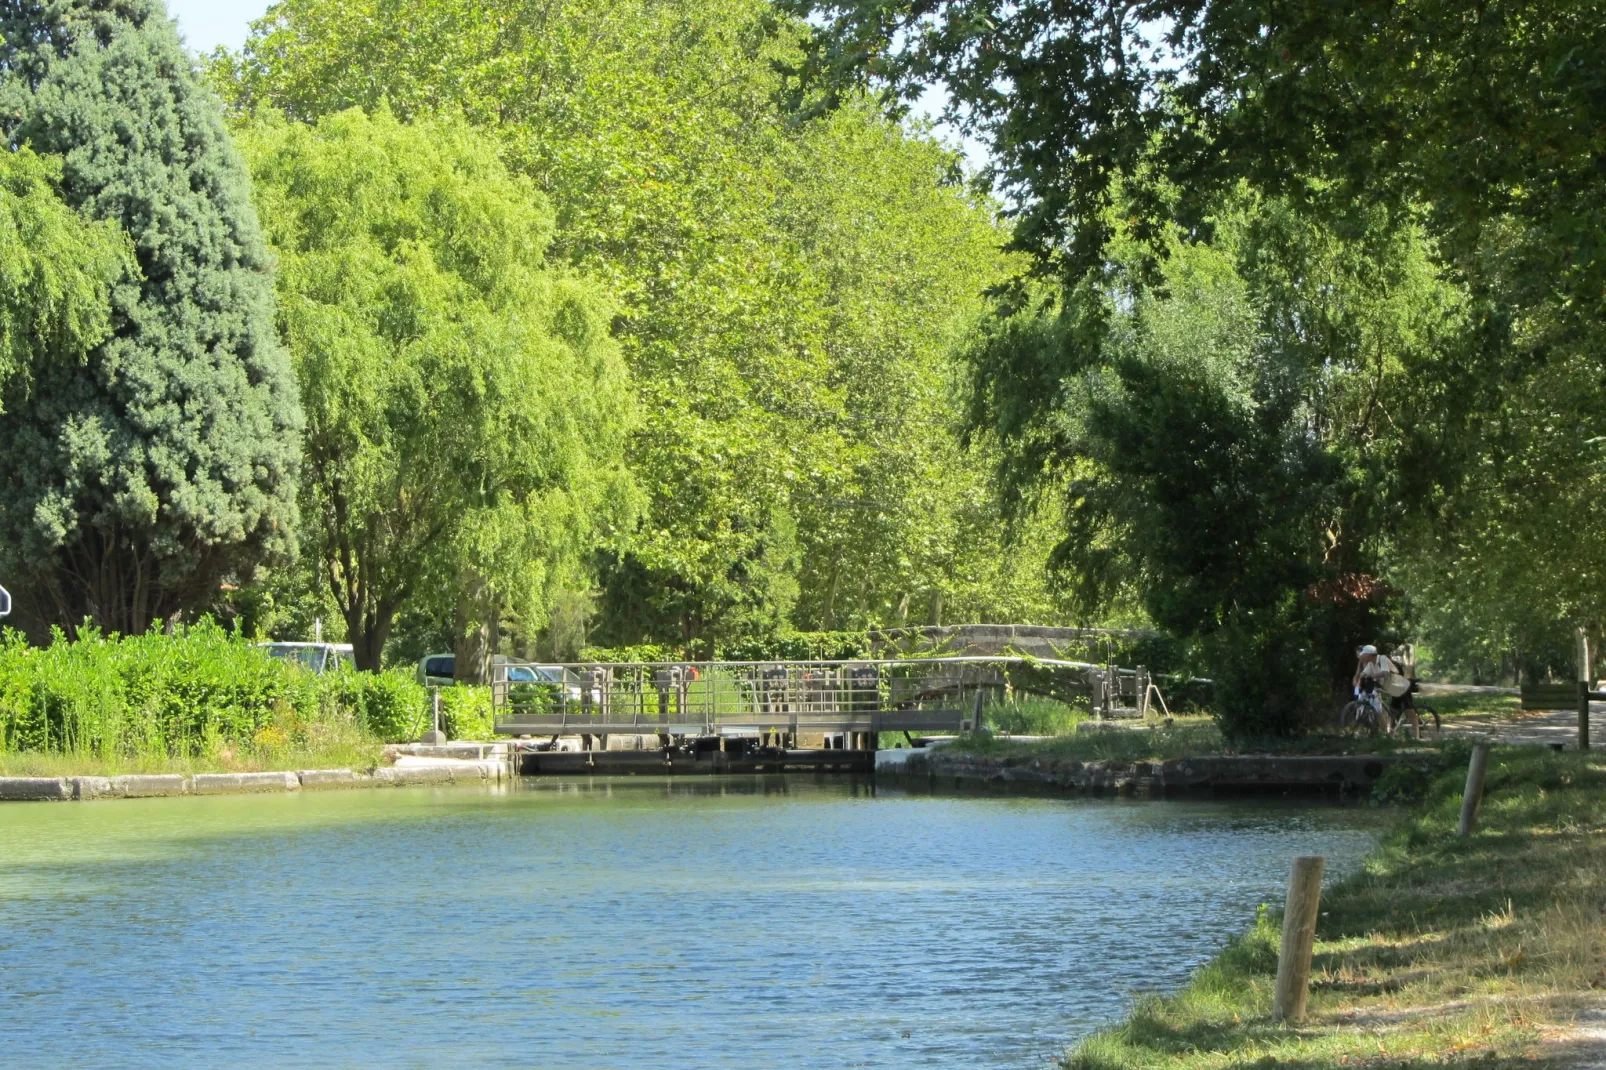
135, 479
56, 273
789, 295
466, 406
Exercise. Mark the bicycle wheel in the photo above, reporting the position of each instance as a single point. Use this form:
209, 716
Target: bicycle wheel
1350, 716
1424, 710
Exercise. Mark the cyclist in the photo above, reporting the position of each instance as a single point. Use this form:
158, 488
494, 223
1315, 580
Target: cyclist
1371, 667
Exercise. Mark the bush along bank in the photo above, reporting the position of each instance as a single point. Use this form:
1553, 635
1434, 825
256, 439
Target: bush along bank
202, 699
1440, 951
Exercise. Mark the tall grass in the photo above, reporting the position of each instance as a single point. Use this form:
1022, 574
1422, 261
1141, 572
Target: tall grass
1033, 715
201, 694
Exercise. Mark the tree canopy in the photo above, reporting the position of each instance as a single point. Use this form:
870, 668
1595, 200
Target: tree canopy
56, 273
466, 407
164, 461
790, 297
1473, 134
1463, 115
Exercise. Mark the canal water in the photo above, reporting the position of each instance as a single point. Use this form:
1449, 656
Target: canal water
744, 922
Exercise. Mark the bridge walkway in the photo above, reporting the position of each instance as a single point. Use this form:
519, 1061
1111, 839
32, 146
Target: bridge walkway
779, 699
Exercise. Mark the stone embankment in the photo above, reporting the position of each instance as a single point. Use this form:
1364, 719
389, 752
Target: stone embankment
408, 771
1231, 773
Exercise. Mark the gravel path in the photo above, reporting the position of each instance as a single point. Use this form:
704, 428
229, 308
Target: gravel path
1540, 727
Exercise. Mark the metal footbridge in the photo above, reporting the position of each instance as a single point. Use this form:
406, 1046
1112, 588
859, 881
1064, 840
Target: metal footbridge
782, 700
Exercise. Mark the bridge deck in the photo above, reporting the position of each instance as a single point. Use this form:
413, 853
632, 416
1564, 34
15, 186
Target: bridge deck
725, 698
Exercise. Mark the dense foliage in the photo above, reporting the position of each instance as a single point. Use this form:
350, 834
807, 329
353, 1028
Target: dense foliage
1470, 117
1470, 134
140, 474
1234, 440
199, 693
56, 272
466, 408
790, 298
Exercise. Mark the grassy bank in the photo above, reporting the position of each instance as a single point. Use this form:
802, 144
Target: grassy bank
1195, 735
1441, 951
1184, 737
354, 751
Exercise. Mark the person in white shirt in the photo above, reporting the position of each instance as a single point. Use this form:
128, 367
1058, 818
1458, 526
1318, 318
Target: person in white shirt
1372, 667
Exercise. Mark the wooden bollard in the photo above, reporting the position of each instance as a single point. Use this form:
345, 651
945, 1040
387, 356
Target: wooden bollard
1472, 799
1299, 938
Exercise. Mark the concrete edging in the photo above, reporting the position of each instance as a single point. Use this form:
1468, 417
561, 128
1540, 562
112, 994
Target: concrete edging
1206, 774
147, 786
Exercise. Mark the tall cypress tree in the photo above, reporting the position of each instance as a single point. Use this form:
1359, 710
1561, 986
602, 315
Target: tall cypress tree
137, 479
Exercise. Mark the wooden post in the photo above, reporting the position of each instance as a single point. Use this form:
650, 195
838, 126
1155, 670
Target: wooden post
1473, 798
1299, 937
1584, 687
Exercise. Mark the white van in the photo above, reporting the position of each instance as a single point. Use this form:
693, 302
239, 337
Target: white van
318, 658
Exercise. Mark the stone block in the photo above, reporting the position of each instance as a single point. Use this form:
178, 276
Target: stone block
141, 786
328, 778
402, 776
237, 783
93, 787
34, 788
484, 769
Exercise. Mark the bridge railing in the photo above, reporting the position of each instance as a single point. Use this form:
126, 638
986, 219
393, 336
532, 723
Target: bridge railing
651, 695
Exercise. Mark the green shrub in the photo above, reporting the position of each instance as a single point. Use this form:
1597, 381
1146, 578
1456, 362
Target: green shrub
466, 712
198, 692
390, 706
619, 655
798, 646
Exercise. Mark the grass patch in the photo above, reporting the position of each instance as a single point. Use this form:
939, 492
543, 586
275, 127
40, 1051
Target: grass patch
1184, 737
357, 751
1441, 951
1473, 704
1033, 715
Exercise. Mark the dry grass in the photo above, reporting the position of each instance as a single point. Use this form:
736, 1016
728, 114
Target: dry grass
1441, 951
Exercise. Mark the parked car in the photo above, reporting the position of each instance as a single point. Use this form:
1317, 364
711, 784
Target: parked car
318, 658
437, 670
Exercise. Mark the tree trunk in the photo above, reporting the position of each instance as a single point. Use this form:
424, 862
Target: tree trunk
936, 609
478, 620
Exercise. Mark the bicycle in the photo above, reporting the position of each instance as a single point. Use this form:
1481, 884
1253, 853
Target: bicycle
1400, 708
1363, 714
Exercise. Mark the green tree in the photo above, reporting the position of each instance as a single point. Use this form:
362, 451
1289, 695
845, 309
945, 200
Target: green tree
791, 296
466, 407
1467, 116
1234, 442
56, 274
138, 478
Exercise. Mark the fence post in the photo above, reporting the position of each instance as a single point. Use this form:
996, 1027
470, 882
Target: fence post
1299, 938
1472, 798
1584, 687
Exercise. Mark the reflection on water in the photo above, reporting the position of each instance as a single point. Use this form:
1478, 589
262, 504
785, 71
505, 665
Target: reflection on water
655, 922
